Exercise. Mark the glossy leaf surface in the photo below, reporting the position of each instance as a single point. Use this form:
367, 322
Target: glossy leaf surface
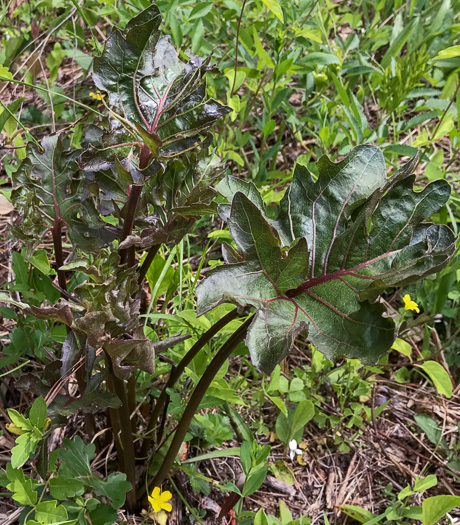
336, 245
164, 98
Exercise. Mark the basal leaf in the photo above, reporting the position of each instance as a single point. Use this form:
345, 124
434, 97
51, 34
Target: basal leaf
76, 457
336, 245
114, 488
439, 376
63, 488
48, 512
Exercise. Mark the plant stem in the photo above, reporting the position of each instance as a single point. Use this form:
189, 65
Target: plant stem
129, 221
128, 255
132, 399
237, 46
126, 434
57, 241
90, 422
113, 422
194, 402
176, 372
148, 261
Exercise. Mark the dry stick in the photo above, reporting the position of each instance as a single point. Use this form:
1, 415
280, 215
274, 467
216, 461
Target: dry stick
194, 402
176, 372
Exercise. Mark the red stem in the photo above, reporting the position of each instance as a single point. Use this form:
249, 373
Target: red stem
337, 275
128, 255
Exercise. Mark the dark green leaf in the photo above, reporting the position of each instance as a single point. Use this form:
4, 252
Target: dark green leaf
92, 402
114, 488
364, 232
103, 514
151, 87
49, 191
254, 481
63, 488
76, 457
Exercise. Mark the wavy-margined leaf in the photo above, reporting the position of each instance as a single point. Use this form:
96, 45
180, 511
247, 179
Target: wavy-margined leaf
164, 99
178, 195
50, 191
350, 235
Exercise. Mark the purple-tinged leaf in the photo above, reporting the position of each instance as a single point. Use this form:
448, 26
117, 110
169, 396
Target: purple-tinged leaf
364, 233
162, 98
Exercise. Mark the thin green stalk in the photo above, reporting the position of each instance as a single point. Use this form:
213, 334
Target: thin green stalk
41, 88
237, 46
194, 402
454, 96
185, 502
181, 271
158, 283
176, 372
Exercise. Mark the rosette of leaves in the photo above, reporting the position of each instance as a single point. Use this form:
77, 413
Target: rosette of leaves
336, 245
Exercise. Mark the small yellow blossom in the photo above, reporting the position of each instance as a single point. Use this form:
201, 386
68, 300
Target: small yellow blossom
96, 96
158, 500
409, 304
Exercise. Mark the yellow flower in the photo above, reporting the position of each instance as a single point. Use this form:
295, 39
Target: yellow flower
409, 304
158, 500
96, 96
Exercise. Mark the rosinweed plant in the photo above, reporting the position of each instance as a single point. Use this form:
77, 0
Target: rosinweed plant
143, 178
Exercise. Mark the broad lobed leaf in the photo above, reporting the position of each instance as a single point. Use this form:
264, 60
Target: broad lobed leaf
49, 189
164, 99
351, 234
